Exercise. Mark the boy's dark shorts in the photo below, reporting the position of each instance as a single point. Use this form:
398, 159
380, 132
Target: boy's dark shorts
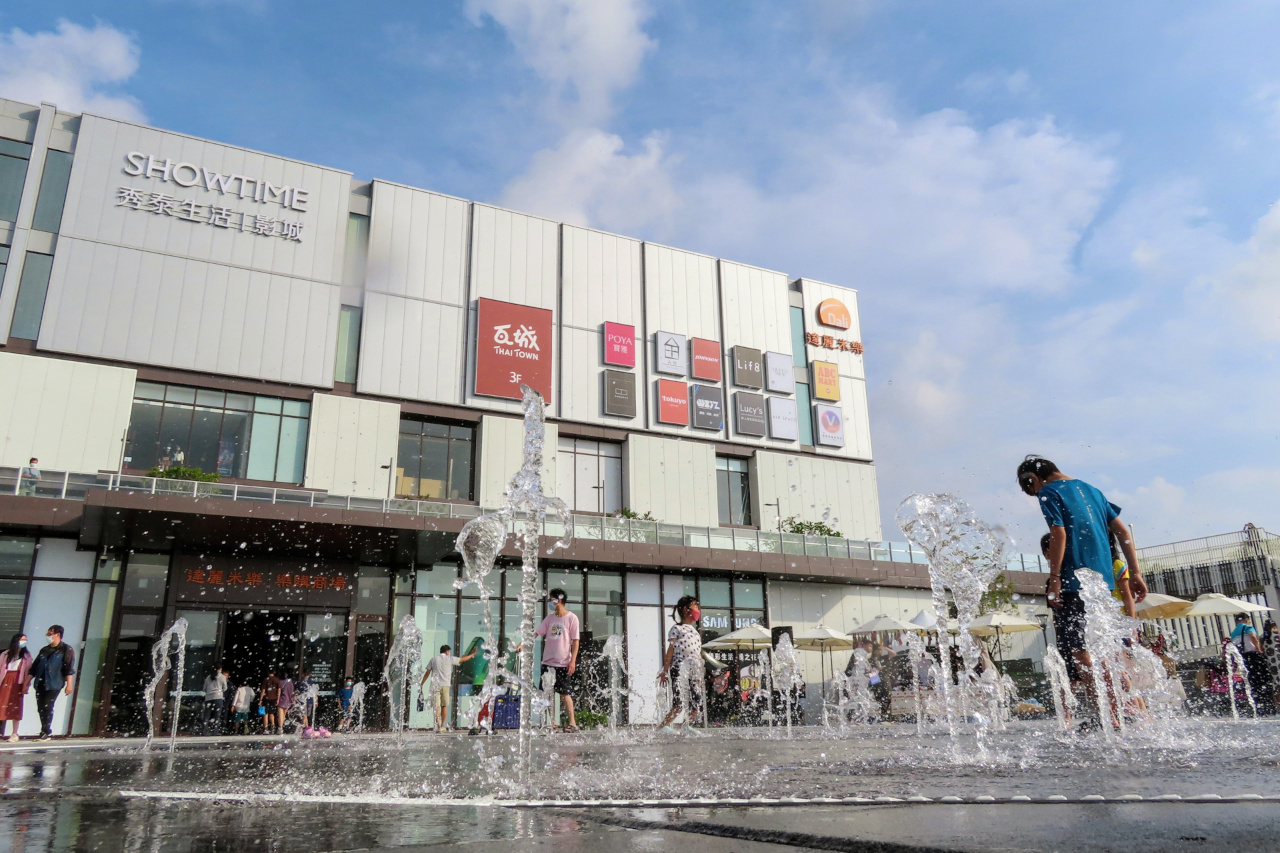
1068, 627
564, 681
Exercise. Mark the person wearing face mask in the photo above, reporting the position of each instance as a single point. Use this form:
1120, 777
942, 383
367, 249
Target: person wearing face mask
52, 672
15, 666
683, 662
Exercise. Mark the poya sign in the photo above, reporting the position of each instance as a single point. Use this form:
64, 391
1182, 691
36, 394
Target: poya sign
833, 313
620, 344
513, 347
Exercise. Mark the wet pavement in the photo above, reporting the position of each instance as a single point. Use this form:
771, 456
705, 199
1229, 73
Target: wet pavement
650, 791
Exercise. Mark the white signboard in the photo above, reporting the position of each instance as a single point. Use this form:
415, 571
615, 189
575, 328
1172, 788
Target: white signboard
779, 373
784, 418
672, 355
829, 425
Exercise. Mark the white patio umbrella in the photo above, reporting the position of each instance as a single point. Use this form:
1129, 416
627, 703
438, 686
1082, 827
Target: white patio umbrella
1159, 606
750, 638
1217, 604
925, 620
997, 624
823, 639
885, 623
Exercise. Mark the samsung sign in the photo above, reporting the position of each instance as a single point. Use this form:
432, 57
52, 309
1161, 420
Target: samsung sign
139, 165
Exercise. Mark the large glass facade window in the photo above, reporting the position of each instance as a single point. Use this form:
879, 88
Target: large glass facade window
589, 475
53, 191
13, 174
17, 555
798, 351
804, 405
435, 460
356, 258
235, 435
32, 287
344, 366
4, 260
733, 485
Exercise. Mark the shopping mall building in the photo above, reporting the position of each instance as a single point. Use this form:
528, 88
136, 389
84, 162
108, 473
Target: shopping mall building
345, 355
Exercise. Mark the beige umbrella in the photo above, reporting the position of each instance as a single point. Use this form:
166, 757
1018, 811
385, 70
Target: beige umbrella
885, 623
1000, 623
749, 638
1159, 606
1217, 604
823, 639
926, 621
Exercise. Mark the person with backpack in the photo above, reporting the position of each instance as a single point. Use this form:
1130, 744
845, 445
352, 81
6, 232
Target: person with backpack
52, 672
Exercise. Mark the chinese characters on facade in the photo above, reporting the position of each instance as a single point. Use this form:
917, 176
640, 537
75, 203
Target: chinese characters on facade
219, 577
163, 204
830, 342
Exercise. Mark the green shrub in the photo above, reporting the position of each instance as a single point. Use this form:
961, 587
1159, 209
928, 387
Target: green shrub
179, 473
812, 528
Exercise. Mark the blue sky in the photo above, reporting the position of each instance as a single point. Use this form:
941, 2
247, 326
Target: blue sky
1058, 215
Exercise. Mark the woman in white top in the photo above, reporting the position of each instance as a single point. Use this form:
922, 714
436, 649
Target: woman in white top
683, 662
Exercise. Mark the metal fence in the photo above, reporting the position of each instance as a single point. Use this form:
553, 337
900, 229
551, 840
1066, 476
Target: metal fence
67, 485
1229, 563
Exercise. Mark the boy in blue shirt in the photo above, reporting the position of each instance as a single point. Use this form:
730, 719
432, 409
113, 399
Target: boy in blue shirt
1081, 522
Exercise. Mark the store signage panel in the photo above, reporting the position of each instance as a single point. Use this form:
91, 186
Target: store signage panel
830, 426
673, 402
672, 354
780, 373
784, 419
708, 407
620, 344
748, 369
833, 313
513, 348
251, 580
750, 414
620, 393
826, 381
706, 359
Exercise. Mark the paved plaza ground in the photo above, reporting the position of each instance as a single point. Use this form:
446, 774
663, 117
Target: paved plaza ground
1197, 785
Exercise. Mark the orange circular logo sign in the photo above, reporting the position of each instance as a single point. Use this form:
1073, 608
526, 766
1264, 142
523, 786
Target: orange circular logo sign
831, 312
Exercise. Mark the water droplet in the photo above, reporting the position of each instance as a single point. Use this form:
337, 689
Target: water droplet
793, 488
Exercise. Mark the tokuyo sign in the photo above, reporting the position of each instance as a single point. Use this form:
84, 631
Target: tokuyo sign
620, 344
513, 347
708, 407
829, 426
673, 402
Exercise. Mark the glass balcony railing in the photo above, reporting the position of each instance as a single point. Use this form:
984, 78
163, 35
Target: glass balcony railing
67, 485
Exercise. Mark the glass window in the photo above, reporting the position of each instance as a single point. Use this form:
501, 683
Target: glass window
804, 403
604, 586
715, 623
4, 260
713, 592
603, 620
145, 579
93, 656
798, 351
570, 580
17, 555
109, 567
434, 460
53, 191
344, 366
32, 287
357, 254
589, 475
743, 618
373, 590
13, 174
148, 391
437, 580
13, 595
733, 486
748, 594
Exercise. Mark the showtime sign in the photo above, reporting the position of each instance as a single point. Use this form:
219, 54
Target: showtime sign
513, 348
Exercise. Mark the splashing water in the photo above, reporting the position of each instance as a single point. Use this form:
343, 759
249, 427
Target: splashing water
921, 670
401, 669
356, 710
1235, 665
613, 653
856, 707
965, 556
159, 666
1064, 699
786, 674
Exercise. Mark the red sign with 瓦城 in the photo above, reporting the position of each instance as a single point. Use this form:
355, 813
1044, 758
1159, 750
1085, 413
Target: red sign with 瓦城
620, 344
513, 348
706, 360
673, 402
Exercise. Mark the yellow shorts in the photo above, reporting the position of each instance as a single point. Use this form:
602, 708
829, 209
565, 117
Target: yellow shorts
1122, 574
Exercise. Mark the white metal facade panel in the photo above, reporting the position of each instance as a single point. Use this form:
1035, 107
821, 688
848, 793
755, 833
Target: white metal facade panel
348, 442
92, 211
69, 414
514, 258
411, 348
853, 392
128, 305
807, 486
501, 454
602, 280
675, 480
417, 244
757, 308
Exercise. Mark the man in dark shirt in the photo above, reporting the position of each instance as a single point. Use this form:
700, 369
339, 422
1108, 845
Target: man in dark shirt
269, 698
52, 672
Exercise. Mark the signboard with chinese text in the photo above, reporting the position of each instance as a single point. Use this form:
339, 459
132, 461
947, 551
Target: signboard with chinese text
826, 381
780, 373
750, 413
620, 344
829, 426
620, 393
708, 407
748, 369
255, 581
513, 347
671, 355
832, 312
673, 402
706, 359
784, 418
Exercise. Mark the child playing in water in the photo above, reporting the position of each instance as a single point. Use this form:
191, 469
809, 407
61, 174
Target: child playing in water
683, 662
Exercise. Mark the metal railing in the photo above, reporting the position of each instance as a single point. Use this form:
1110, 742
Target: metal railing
1229, 563
68, 485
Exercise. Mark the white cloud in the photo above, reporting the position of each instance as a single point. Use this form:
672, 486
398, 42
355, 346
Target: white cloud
1252, 285
586, 50
74, 67
588, 179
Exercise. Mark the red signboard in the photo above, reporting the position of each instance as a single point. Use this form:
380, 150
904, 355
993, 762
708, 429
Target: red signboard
706, 360
673, 402
620, 344
513, 347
